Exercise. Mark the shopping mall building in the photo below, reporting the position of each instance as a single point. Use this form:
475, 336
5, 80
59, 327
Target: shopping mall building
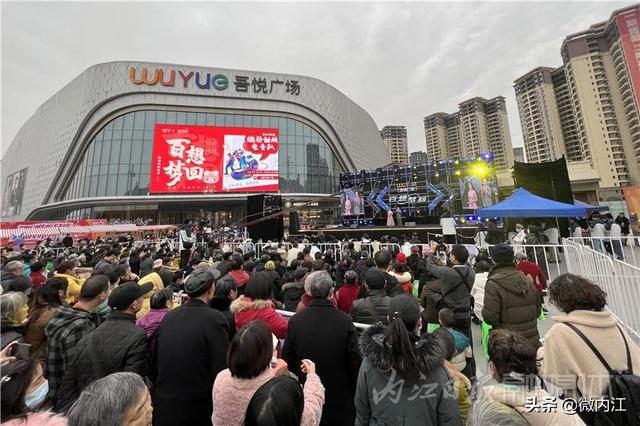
87, 152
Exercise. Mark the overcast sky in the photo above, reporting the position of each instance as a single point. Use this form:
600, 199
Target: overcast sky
399, 61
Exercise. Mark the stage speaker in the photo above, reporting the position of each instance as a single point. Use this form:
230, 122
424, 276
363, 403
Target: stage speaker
294, 222
260, 206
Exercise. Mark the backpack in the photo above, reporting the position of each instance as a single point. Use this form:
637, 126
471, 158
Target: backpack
622, 385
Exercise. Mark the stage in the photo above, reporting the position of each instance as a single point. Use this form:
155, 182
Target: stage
425, 232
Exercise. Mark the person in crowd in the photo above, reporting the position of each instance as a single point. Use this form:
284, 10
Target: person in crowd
461, 383
225, 293
118, 399
597, 233
24, 393
374, 308
348, 292
108, 261
68, 326
396, 356
134, 261
455, 291
463, 350
382, 259
157, 284
67, 241
249, 361
14, 310
240, 277
489, 412
104, 310
184, 378
292, 292
165, 271
477, 291
46, 300
615, 237
146, 263
511, 302
413, 259
624, 223
274, 277
401, 273
161, 304
512, 363
36, 276
567, 360
534, 272
281, 401
337, 357
116, 345
67, 270
292, 254
12, 278
257, 304
495, 235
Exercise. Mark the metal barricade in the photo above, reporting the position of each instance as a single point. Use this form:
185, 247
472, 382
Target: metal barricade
371, 247
625, 248
548, 256
619, 279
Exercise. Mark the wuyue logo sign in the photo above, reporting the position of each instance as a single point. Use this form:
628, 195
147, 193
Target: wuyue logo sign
170, 77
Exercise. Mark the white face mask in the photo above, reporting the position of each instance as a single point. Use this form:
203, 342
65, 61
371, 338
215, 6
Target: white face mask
37, 397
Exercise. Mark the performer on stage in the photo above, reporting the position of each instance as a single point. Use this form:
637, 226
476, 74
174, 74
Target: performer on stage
390, 221
399, 216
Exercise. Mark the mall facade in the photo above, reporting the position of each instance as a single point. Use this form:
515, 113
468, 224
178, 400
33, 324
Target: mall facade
87, 151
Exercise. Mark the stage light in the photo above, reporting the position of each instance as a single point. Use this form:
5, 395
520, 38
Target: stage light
456, 162
437, 175
458, 172
463, 220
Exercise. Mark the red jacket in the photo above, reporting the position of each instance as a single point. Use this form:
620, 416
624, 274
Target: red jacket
37, 279
240, 277
346, 295
533, 270
246, 310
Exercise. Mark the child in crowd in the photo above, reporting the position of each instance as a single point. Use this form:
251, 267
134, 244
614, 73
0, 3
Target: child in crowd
462, 344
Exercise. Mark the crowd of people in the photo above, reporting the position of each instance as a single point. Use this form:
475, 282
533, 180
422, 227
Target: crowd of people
113, 333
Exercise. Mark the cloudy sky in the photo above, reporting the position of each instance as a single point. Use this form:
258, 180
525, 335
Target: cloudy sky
400, 61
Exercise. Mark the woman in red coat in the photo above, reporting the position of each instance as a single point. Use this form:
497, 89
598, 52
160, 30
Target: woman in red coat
256, 304
348, 292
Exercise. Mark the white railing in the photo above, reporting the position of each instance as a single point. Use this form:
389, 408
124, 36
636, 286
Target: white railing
623, 248
619, 279
358, 325
549, 257
371, 247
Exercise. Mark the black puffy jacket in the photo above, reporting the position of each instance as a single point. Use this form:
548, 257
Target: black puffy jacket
371, 313
116, 345
292, 293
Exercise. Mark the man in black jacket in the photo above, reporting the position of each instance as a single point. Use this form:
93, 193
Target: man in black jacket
116, 345
383, 261
375, 307
191, 349
327, 336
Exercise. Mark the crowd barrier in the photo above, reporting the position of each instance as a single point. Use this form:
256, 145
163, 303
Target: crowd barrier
370, 247
626, 249
619, 279
549, 257
288, 314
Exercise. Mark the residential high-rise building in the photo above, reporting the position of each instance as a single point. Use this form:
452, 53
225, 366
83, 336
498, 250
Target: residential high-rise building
395, 139
539, 116
589, 107
480, 125
518, 155
418, 157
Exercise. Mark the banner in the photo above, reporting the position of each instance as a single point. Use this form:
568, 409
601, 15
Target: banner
31, 232
13, 192
207, 159
628, 24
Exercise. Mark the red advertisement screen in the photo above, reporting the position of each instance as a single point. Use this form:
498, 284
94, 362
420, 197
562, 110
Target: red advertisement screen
201, 159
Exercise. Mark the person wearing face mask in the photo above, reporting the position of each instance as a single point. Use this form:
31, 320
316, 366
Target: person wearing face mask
47, 298
116, 345
23, 393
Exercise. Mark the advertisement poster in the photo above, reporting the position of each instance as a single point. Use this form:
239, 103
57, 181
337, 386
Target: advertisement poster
207, 159
13, 192
628, 24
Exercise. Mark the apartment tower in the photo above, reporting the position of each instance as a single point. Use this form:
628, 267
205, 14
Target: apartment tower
395, 139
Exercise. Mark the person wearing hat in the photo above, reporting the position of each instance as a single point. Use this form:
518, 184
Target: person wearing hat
190, 350
410, 371
511, 301
156, 280
116, 345
292, 292
375, 307
413, 259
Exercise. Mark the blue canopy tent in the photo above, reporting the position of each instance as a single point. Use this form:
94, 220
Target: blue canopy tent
522, 203
589, 207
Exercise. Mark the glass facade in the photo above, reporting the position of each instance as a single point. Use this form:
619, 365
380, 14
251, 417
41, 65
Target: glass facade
118, 160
